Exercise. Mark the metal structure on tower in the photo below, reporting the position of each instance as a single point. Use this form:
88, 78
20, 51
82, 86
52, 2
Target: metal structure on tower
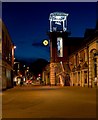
58, 21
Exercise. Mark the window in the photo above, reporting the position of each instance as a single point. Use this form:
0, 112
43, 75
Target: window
59, 47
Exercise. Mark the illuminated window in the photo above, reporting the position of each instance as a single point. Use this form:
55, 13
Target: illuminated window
59, 47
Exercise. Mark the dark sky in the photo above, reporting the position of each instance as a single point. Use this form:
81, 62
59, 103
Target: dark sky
28, 22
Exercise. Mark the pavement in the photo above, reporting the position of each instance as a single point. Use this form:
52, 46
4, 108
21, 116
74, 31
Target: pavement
49, 102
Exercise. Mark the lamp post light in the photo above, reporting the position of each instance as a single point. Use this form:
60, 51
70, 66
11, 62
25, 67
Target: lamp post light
14, 47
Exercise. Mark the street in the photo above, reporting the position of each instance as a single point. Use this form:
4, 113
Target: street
49, 102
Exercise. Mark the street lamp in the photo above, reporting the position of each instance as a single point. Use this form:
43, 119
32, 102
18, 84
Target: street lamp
14, 47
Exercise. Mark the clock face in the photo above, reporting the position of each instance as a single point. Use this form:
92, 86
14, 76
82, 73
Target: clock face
45, 42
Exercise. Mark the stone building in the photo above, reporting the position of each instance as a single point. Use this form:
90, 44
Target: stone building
84, 61
7, 58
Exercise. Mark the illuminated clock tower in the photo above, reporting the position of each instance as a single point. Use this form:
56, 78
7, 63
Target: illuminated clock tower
58, 37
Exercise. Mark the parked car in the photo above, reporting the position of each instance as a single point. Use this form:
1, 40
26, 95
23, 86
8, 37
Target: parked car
28, 81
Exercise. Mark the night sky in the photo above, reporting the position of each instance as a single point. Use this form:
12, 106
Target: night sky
28, 23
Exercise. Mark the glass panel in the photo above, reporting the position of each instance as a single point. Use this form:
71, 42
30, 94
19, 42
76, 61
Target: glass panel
59, 47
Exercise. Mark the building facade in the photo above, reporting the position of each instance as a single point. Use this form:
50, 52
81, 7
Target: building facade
7, 59
84, 62
79, 67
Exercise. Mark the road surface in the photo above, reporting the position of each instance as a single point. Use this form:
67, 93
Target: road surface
49, 102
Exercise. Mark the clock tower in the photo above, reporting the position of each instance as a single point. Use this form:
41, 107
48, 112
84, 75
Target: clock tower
58, 37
